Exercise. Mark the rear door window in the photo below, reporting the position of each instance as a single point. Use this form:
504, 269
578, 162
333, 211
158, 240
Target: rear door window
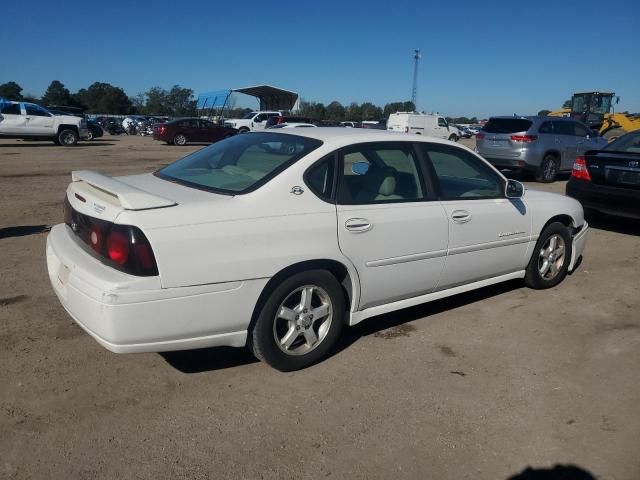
379, 173
563, 128
10, 108
507, 125
546, 127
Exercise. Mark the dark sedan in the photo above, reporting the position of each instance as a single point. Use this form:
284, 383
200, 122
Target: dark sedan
185, 130
608, 180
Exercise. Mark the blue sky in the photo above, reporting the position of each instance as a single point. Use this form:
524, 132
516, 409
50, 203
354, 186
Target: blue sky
479, 58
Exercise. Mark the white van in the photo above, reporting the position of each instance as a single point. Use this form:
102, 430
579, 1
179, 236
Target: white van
421, 124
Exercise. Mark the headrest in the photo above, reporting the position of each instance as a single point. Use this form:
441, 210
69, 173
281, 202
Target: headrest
388, 186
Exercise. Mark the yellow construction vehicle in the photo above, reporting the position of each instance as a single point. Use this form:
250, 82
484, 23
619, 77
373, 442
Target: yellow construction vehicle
596, 109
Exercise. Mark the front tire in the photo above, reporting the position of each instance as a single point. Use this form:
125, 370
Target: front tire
549, 263
300, 322
548, 170
180, 140
243, 130
453, 138
67, 138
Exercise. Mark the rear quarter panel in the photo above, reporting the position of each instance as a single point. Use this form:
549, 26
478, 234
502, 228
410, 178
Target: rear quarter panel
242, 237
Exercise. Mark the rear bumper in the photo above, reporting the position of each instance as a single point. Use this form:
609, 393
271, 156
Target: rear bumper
607, 199
127, 314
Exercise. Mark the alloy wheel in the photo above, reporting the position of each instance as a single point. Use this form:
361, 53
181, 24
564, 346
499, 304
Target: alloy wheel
551, 257
303, 320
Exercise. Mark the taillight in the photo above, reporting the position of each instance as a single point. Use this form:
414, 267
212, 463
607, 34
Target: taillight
580, 171
118, 246
124, 247
524, 138
162, 129
480, 136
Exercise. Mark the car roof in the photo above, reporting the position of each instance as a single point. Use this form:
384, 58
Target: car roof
340, 136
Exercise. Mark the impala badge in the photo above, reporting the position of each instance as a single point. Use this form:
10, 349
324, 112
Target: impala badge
297, 190
634, 164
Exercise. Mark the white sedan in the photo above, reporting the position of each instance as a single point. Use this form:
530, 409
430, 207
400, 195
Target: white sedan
278, 239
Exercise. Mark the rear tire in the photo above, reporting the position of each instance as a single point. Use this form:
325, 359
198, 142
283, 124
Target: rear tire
67, 138
548, 170
286, 335
89, 135
180, 140
549, 263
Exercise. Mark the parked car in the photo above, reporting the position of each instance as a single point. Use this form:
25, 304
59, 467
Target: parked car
608, 180
252, 121
350, 124
185, 130
275, 120
29, 121
421, 124
474, 129
278, 239
374, 124
94, 129
464, 131
544, 146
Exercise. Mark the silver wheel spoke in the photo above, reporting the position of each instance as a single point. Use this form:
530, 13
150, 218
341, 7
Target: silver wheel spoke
310, 336
305, 299
552, 243
289, 337
558, 252
287, 314
545, 268
553, 268
320, 312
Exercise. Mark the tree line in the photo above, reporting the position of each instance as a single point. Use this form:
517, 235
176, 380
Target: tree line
105, 98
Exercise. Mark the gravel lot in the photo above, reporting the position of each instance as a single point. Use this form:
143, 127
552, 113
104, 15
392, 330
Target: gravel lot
479, 386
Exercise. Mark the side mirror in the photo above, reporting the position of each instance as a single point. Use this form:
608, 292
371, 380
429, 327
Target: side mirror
514, 189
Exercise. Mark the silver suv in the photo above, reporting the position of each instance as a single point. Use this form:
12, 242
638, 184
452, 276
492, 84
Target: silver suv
544, 146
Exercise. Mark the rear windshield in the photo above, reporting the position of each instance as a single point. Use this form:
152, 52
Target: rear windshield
507, 125
627, 143
239, 164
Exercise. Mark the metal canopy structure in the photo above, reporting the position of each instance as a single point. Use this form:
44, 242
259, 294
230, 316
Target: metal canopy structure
271, 98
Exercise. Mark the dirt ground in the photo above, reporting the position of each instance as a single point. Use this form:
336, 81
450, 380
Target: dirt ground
480, 386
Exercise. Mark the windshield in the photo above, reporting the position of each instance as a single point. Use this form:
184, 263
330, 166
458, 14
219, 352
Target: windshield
241, 163
249, 116
627, 143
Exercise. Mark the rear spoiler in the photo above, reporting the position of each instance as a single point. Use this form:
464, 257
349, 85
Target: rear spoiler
130, 198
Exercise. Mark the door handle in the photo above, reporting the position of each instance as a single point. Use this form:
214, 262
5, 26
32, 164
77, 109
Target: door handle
357, 225
460, 216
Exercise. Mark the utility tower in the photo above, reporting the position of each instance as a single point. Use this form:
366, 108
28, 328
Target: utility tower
414, 92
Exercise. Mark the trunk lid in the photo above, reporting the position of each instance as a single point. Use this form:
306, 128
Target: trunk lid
618, 169
100, 196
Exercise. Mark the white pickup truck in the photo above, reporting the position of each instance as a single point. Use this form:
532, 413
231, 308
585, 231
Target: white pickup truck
29, 121
251, 121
